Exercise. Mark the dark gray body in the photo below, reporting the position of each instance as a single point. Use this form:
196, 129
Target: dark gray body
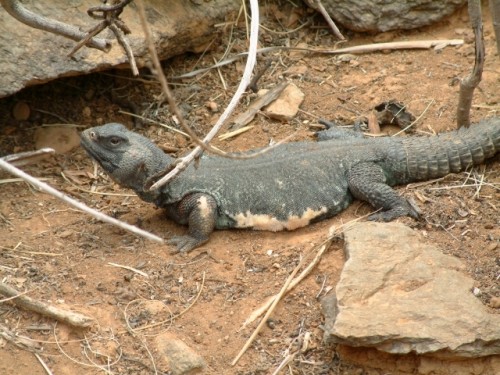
295, 183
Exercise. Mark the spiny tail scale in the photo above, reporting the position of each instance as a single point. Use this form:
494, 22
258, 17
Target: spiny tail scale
437, 156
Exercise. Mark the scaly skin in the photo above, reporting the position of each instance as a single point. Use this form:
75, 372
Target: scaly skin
292, 185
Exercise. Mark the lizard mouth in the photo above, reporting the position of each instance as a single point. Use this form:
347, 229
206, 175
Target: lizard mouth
105, 159
87, 145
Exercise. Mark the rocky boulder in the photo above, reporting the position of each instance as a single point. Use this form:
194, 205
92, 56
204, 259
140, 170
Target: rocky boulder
401, 295
30, 56
383, 15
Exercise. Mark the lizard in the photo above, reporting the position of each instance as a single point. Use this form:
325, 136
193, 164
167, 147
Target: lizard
293, 184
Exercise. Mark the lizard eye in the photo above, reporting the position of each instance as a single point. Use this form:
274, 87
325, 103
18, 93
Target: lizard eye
114, 141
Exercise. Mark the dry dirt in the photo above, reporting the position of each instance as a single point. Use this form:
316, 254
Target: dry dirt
62, 257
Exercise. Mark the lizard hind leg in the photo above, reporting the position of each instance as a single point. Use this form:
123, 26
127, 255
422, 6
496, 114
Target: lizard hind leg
367, 182
199, 211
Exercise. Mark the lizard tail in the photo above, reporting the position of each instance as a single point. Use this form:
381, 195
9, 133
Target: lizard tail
433, 157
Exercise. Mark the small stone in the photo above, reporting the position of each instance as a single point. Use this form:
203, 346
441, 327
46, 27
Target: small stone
495, 302
384, 37
346, 57
297, 54
66, 233
492, 246
86, 112
61, 138
177, 357
286, 106
21, 111
296, 71
271, 323
212, 106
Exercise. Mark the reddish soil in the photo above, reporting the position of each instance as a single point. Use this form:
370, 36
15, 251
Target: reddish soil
61, 256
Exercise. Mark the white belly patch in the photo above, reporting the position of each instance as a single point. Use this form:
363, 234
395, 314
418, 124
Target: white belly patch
270, 223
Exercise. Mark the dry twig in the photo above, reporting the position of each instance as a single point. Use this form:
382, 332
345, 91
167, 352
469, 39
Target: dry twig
110, 18
66, 316
364, 48
72, 202
316, 4
268, 313
44, 365
183, 162
495, 18
28, 157
234, 133
172, 317
129, 268
469, 84
20, 13
318, 250
22, 342
247, 116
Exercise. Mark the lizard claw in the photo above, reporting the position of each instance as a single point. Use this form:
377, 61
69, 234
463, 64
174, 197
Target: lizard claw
184, 244
408, 209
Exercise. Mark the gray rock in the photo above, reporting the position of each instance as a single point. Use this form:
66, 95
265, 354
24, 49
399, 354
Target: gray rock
30, 56
386, 15
401, 295
177, 357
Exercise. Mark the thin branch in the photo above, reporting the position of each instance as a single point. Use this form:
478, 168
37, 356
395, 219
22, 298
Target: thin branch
469, 84
268, 313
244, 118
15, 338
495, 18
72, 202
129, 268
158, 71
364, 48
44, 365
252, 53
66, 316
28, 157
20, 13
318, 250
110, 18
316, 4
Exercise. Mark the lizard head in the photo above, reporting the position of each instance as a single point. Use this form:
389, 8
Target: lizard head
127, 157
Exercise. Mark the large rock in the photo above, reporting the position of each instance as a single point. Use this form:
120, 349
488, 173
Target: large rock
30, 56
400, 295
385, 15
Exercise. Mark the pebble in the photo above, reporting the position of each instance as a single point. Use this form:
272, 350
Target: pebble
492, 246
286, 106
212, 106
21, 111
178, 358
61, 138
495, 302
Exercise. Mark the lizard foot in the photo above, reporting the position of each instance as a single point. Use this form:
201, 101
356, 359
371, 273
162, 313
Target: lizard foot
408, 209
184, 244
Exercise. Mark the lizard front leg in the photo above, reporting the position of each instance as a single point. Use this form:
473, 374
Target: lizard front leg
199, 212
368, 183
